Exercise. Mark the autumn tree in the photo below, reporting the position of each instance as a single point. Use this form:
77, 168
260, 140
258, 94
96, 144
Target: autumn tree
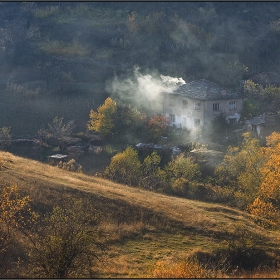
240, 170
181, 173
157, 125
15, 216
124, 167
150, 171
267, 201
66, 242
102, 121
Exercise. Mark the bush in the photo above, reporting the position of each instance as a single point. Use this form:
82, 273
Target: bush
125, 168
71, 165
66, 242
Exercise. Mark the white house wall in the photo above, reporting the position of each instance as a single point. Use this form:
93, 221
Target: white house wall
205, 114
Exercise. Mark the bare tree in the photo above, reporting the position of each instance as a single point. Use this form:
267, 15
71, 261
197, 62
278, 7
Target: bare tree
57, 131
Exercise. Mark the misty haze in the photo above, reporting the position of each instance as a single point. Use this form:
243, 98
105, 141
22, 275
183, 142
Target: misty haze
139, 139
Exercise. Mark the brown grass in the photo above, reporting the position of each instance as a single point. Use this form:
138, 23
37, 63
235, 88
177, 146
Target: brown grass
188, 212
141, 227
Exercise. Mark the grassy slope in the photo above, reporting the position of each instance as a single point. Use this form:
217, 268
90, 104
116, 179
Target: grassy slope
142, 226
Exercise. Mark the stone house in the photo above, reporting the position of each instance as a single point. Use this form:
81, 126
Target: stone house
262, 126
197, 103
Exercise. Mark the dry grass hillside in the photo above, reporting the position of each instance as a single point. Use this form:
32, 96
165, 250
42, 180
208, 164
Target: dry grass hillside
142, 227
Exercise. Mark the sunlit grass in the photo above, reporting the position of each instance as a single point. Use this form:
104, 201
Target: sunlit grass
141, 227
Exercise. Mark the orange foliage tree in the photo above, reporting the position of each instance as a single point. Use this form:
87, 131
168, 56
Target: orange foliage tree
267, 202
157, 125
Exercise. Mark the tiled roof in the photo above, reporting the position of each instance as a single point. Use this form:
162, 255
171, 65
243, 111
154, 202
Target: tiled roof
256, 120
205, 90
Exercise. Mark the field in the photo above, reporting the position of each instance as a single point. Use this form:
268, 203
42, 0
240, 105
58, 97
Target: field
143, 227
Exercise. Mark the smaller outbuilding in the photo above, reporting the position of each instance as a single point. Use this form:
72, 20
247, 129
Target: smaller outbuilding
262, 126
55, 159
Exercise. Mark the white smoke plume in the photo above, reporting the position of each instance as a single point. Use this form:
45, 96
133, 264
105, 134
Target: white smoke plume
138, 89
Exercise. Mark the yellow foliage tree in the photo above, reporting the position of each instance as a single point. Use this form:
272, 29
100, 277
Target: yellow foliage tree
102, 120
14, 217
267, 202
125, 167
240, 170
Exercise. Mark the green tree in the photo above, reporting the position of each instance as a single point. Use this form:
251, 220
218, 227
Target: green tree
264, 98
127, 119
182, 175
150, 171
66, 242
102, 121
249, 109
219, 124
125, 168
240, 170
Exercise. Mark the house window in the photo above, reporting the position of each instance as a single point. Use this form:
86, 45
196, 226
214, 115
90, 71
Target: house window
172, 117
232, 105
197, 106
216, 106
172, 101
196, 122
184, 103
232, 121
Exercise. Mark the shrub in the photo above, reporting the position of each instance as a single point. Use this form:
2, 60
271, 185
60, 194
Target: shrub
66, 242
182, 167
71, 165
15, 216
125, 168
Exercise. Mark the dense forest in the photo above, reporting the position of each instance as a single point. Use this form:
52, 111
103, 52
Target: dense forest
73, 82
61, 58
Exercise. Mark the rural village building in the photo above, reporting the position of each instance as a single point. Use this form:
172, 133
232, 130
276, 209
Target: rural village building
197, 103
262, 126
